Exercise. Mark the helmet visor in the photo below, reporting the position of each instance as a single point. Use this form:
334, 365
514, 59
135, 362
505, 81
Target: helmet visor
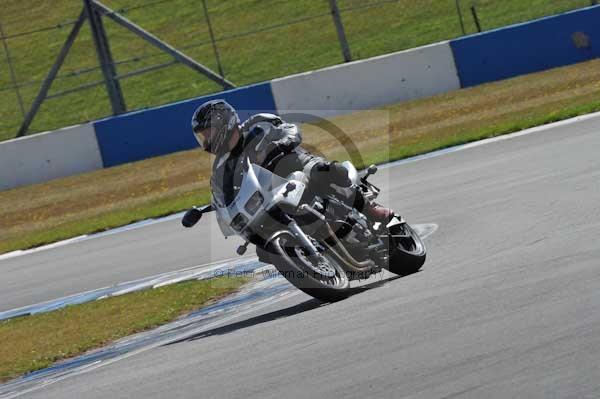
204, 136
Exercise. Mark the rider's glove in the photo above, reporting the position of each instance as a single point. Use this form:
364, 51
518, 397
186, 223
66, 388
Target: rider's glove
331, 172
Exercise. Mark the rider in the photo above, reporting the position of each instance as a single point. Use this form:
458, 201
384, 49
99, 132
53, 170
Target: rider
272, 143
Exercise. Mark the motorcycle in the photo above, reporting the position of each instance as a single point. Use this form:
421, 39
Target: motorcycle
319, 243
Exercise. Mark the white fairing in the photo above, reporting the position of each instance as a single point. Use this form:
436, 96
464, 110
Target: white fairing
271, 187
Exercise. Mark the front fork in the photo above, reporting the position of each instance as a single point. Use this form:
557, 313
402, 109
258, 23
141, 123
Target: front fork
338, 248
310, 248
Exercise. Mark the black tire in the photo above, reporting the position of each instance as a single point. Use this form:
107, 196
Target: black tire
408, 253
283, 254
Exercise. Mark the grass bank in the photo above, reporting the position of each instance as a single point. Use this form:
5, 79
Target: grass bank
257, 41
35, 342
63, 208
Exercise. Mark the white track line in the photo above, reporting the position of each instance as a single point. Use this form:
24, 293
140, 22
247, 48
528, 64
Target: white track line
429, 155
132, 226
503, 137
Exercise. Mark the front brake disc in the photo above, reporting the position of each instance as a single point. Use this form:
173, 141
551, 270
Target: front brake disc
322, 267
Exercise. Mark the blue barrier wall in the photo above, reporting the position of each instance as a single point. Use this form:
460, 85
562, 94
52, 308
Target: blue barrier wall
530, 47
163, 130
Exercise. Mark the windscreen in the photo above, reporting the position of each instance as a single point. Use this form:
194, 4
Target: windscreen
227, 183
267, 179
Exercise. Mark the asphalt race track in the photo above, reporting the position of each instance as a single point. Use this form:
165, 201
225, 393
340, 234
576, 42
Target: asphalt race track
507, 305
112, 259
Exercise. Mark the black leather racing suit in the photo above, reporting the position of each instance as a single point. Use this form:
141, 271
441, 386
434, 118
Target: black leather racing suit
275, 145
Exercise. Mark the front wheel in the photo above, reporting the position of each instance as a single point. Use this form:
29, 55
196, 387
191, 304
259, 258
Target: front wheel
325, 280
407, 250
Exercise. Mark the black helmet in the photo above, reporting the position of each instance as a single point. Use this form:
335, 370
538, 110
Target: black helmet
221, 118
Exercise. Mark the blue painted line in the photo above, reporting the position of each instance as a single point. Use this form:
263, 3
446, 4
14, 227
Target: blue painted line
255, 295
54, 304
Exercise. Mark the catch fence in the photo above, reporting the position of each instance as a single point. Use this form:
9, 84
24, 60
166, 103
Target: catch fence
111, 69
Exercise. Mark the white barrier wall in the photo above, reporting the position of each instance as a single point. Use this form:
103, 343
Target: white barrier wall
45, 156
374, 82
365, 84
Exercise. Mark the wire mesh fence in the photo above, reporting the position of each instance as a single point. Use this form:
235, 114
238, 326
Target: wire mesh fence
246, 41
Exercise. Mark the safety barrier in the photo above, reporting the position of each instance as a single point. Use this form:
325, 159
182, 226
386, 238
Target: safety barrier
391, 78
163, 130
515, 50
45, 156
530, 47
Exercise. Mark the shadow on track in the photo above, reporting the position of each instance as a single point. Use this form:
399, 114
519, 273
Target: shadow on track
278, 314
305, 306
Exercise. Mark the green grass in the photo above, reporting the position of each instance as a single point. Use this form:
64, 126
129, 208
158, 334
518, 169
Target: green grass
246, 59
397, 151
35, 342
119, 217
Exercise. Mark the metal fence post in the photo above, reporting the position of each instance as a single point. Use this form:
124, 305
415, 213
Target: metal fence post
52, 74
212, 38
105, 58
339, 27
13, 77
475, 18
150, 38
460, 17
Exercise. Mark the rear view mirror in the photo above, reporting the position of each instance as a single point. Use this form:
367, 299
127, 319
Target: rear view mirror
372, 169
191, 217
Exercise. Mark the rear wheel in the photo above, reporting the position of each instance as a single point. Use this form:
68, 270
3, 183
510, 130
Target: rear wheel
323, 279
407, 250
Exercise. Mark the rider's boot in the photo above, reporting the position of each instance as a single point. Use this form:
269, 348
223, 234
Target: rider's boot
378, 213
